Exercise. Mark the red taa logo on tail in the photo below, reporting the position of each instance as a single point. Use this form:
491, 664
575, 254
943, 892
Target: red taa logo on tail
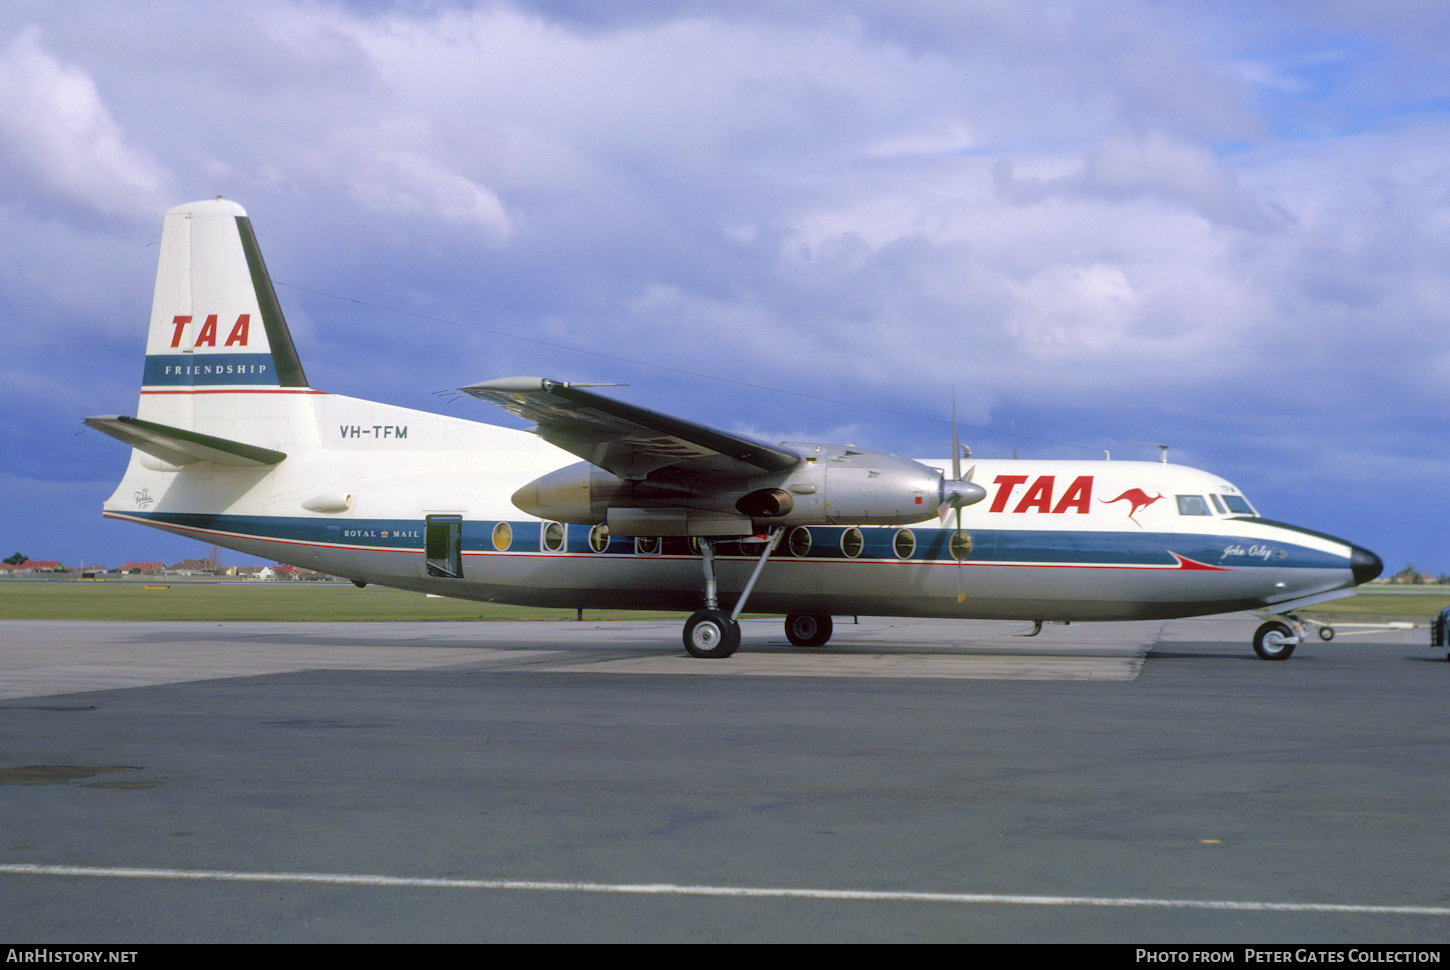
208, 336
1140, 500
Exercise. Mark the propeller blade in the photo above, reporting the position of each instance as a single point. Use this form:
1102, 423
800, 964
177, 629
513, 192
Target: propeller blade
956, 445
959, 496
961, 593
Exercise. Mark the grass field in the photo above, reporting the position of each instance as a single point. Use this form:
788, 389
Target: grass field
333, 602
1419, 605
319, 602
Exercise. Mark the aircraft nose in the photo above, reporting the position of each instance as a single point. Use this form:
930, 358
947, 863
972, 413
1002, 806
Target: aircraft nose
1364, 565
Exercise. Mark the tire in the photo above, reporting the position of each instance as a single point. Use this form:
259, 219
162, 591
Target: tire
1269, 641
711, 635
1326, 633
808, 629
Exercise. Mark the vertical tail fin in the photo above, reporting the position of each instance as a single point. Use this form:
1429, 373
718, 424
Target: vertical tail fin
215, 320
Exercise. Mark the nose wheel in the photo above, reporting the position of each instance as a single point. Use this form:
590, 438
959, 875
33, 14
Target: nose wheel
1276, 640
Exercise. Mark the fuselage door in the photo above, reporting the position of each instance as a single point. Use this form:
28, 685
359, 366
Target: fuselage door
443, 545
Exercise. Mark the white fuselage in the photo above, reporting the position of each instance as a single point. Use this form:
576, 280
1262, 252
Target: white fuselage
1053, 540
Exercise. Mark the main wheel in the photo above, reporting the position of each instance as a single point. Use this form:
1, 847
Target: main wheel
711, 635
1271, 641
808, 629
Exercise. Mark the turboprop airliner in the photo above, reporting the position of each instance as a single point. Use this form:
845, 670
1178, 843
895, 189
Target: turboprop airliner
604, 504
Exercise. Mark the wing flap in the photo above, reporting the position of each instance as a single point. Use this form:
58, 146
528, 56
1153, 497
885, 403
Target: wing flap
179, 446
626, 440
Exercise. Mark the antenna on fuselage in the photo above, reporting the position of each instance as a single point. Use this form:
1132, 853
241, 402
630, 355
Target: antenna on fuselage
1162, 449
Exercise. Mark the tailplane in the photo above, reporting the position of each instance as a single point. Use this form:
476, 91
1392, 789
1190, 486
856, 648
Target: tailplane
181, 447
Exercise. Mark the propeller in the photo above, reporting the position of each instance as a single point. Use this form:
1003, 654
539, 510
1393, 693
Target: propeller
958, 491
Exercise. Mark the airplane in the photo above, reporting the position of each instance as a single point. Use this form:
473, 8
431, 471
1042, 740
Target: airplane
604, 504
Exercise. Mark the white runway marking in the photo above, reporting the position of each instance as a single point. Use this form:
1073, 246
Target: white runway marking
672, 889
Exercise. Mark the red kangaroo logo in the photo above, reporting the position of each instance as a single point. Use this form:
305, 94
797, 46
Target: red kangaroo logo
1138, 498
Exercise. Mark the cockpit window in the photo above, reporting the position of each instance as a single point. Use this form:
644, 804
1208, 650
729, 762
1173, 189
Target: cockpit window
1192, 505
1238, 505
1217, 505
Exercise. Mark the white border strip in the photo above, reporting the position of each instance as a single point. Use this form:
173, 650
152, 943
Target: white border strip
672, 889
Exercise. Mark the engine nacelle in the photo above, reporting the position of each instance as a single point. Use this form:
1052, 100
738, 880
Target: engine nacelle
837, 484
832, 484
579, 494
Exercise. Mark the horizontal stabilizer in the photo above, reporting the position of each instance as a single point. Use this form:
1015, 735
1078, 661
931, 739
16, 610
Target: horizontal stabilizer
181, 447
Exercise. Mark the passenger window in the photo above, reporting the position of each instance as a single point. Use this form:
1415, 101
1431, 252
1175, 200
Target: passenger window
799, 541
1192, 505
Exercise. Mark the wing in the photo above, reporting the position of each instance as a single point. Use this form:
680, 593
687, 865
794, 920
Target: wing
627, 441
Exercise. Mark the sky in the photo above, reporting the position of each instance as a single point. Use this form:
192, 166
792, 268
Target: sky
1220, 226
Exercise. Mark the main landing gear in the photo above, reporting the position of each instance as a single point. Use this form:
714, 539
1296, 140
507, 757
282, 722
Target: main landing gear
808, 629
711, 633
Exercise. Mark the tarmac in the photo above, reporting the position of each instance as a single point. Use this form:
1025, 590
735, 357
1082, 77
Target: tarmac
914, 780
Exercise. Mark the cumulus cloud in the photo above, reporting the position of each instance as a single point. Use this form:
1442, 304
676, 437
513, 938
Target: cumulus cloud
1132, 165
60, 141
408, 184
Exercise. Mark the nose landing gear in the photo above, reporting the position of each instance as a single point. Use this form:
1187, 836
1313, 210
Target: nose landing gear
1276, 639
